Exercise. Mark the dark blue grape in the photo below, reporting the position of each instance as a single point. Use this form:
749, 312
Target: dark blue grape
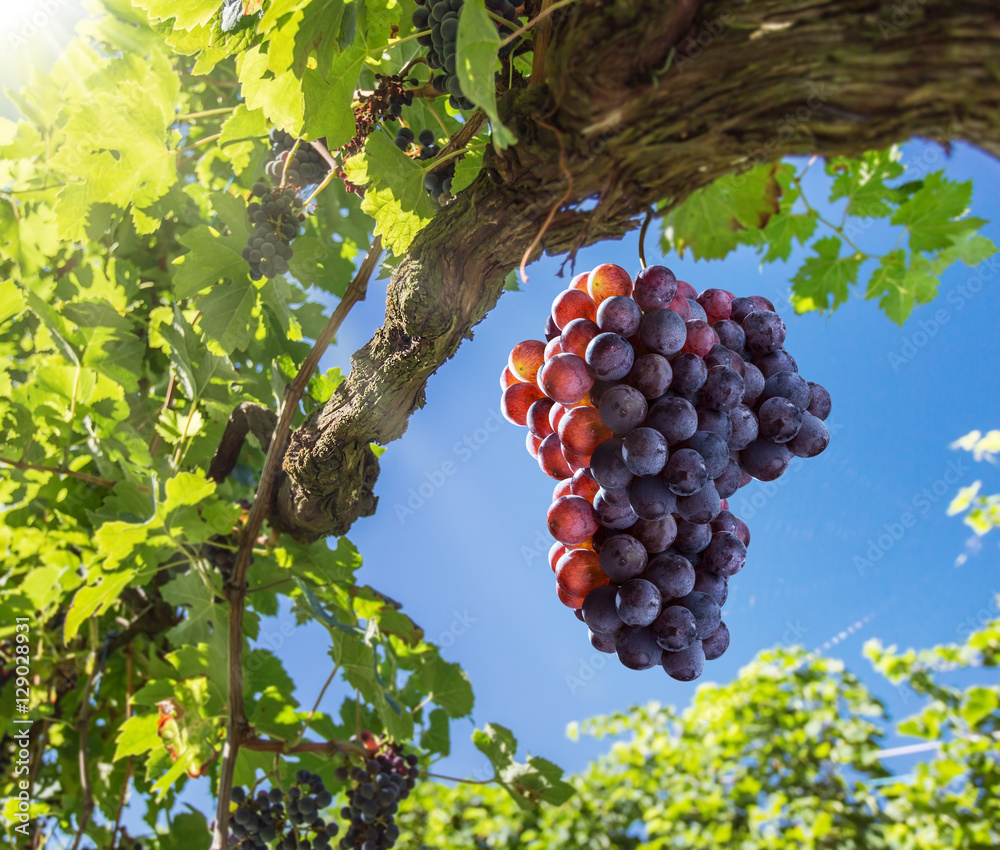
663, 332
637, 648
644, 451
675, 418
725, 555
812, 438
609, 357
689, 374
672, 574
622, 558
650, 498
651, 375
707, 612
608, 468
717, 644
623, 408
765, 332
619, 314
820, 403
692, 537
600, 612
675, 628
779, 420
686, 665
655, 287
744, 427
685, 472
701, 507
788, 385
723, 388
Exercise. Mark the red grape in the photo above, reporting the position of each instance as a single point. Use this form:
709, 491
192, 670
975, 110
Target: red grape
701, 336
573, 304
538, 418
716, 303
563, 488
655, 286
607, 280
552, 348
574, 602
556, 551
581, 431
532, 443
579, 571
516, 400
565, 378
526, 359
583, 485
571, 520
681, 307
576, 336
686, 290
579, 281
556, 414
508, 378
551, 458
576, 462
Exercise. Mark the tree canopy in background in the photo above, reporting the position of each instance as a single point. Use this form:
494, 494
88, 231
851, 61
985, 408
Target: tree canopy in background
175, 468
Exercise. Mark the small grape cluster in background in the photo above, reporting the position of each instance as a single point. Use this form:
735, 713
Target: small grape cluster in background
436, 183
304, 167
651, 405
283, 820
276, 218
441, 17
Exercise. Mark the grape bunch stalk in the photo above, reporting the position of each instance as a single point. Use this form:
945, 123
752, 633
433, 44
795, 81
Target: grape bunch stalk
283, 820
300, 165
386, 778
651, 405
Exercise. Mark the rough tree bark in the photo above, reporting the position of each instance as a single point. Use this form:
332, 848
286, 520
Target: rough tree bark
624, 120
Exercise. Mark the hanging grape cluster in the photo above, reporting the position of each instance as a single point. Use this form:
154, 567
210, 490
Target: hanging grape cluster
652, 405
303, 167
283, 820
387, 777
441, 18
275, 217
438, 182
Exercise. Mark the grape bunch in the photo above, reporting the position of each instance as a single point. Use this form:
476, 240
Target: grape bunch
387, 777
276, 218
651, 405
441, 17
438, 182
283, 820
305, 167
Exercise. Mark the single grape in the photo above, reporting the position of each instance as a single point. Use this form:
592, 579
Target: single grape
675, 628
556, 551
638, 602
608, 466
723, 388
526, 359
655, 535
725, 555
551, 459
576, 336
644, 451
619, 314
690, 372
700, 337
753, 384
672, 574
740, 308
779, 420
651, 375
600, 612
744, 427
516, 401
572, 304
729, 482
713, 584
663, 332
613, 509
655, 287
565, 378
637, 648
608, 280
581, 484
531, 443
551, 330
719, 355
650, 498
716, 421
622, 558
578, 572
765, 460
692, 537
571, 520
707, 612
820, 403
762, 303
686, 290
697, 311
776, 361
712, 448
715, 645
731, 334
610, 357
581, 431
716, 303
685, 472
812, 438
675, 418
788, 385
686, 665
681, 306
701, 507
562, 488
623, 408
602, 643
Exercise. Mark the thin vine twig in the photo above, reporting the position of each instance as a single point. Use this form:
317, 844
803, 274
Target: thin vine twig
541, 16
315, 708
82, 725
555, 207
237, 731
642, 236
459, 140
128, 766
82, 476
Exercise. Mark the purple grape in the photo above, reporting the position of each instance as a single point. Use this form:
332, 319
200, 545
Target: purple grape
598, 390
685, 472
637, 648
651, 375
638, 602
730, 334
607, 467
644, 451
725, 555
609, 357
675, 418
716, 421
717, 644
623, 409
765, 460
719, 355
672, 574
700, 507
613, 509
655, 287
723, 388
690, 373
820, 403
725, 521
788, 385
753, 384
551, 328
812, 439
765, 332
599, 610
713, 584
741, 308
655, 535
675, 629
622, 558
692, 537
602, 643
686, 665
712, 448
663, 332
707, 612
697, 311
729, 482
779, 420
650, 498
744, 425
619, 314
776, 361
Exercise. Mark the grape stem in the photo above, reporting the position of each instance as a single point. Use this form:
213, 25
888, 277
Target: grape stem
398, 41
463, 781
555, 207
238, 730
642, 236
315, 708
819, 217
199, 143
541, 16
458, 142
206, 113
